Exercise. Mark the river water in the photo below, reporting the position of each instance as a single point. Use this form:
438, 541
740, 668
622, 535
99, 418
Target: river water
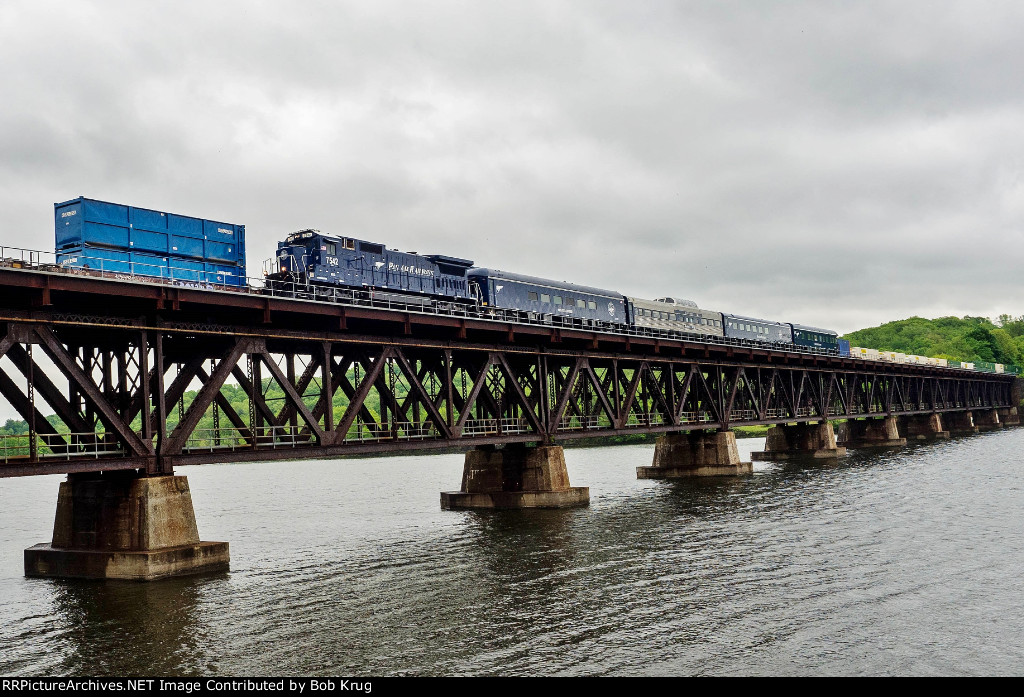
898, 562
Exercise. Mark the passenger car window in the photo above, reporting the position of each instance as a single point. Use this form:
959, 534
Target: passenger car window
558, 299
545, 298
531, 295
592, 305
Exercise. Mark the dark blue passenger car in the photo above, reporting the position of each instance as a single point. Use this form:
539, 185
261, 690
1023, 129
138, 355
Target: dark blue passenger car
813, 337
310, 256
546, 297
753, 329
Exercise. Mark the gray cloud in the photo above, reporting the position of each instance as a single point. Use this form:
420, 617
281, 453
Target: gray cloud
829, 163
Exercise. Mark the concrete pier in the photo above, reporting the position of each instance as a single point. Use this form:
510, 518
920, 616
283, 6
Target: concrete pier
120, 525
923, 427
871, 433
516, 477
987, 420
800, 441
695, 454
960, 422
1008, 416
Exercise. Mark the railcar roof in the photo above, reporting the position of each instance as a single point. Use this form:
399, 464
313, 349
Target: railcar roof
755, 319
546, 282
805, 328
684, 304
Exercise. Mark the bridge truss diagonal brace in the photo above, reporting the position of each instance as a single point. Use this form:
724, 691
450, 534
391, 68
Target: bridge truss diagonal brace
111, 419
684, 392
563, 399
295, 399
474, 393
49, 392
599, 390
358, 399
237, 421
176, 440
421, 393
7, 342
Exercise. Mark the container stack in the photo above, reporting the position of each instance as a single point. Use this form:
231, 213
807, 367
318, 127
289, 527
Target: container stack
127, 241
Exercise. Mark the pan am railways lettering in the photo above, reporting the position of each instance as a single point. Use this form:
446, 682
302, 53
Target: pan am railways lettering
405, 268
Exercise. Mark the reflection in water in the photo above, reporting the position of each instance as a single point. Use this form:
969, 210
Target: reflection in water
125, 628
882, 562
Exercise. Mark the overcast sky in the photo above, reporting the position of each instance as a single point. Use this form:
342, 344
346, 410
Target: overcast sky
840, 164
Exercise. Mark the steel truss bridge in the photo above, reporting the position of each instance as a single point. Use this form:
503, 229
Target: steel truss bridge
148, 376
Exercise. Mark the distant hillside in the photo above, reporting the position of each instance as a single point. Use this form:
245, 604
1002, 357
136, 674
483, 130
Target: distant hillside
963, 339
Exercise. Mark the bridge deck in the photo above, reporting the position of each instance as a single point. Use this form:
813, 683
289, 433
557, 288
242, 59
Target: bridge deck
170, 375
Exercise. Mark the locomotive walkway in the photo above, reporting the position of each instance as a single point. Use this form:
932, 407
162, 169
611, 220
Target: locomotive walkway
132, 381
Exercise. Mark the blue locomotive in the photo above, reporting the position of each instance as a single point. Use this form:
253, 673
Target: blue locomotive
311, 257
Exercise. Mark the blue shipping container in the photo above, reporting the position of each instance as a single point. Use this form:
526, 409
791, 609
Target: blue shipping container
84, 222
96, 259
125, 263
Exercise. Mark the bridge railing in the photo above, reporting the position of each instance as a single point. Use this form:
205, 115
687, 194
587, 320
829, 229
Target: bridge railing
76, 446
489, 427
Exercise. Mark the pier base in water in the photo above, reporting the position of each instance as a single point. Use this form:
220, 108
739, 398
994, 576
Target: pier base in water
923, 427
800, 441
1008, 416
124, 526
695, 454
960, 422
516, 477
987, 420
871, 433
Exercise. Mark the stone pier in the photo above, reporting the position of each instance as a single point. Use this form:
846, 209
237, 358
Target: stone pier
959, 422
871, 433
1008, 416
987, 420
515, 477
800, 441
695, 454
923, 427
120, 525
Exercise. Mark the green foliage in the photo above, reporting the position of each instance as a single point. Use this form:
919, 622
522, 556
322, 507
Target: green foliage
14, 428
971, 339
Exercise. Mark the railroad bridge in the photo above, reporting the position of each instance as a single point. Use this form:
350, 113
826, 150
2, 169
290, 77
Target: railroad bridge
139, 377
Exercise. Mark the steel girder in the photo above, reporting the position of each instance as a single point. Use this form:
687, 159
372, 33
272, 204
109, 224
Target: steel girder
133, 397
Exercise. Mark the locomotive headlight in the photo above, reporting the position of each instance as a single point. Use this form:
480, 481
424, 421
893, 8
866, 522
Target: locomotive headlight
284, 269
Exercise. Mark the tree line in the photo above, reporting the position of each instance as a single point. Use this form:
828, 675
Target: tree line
966, 338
